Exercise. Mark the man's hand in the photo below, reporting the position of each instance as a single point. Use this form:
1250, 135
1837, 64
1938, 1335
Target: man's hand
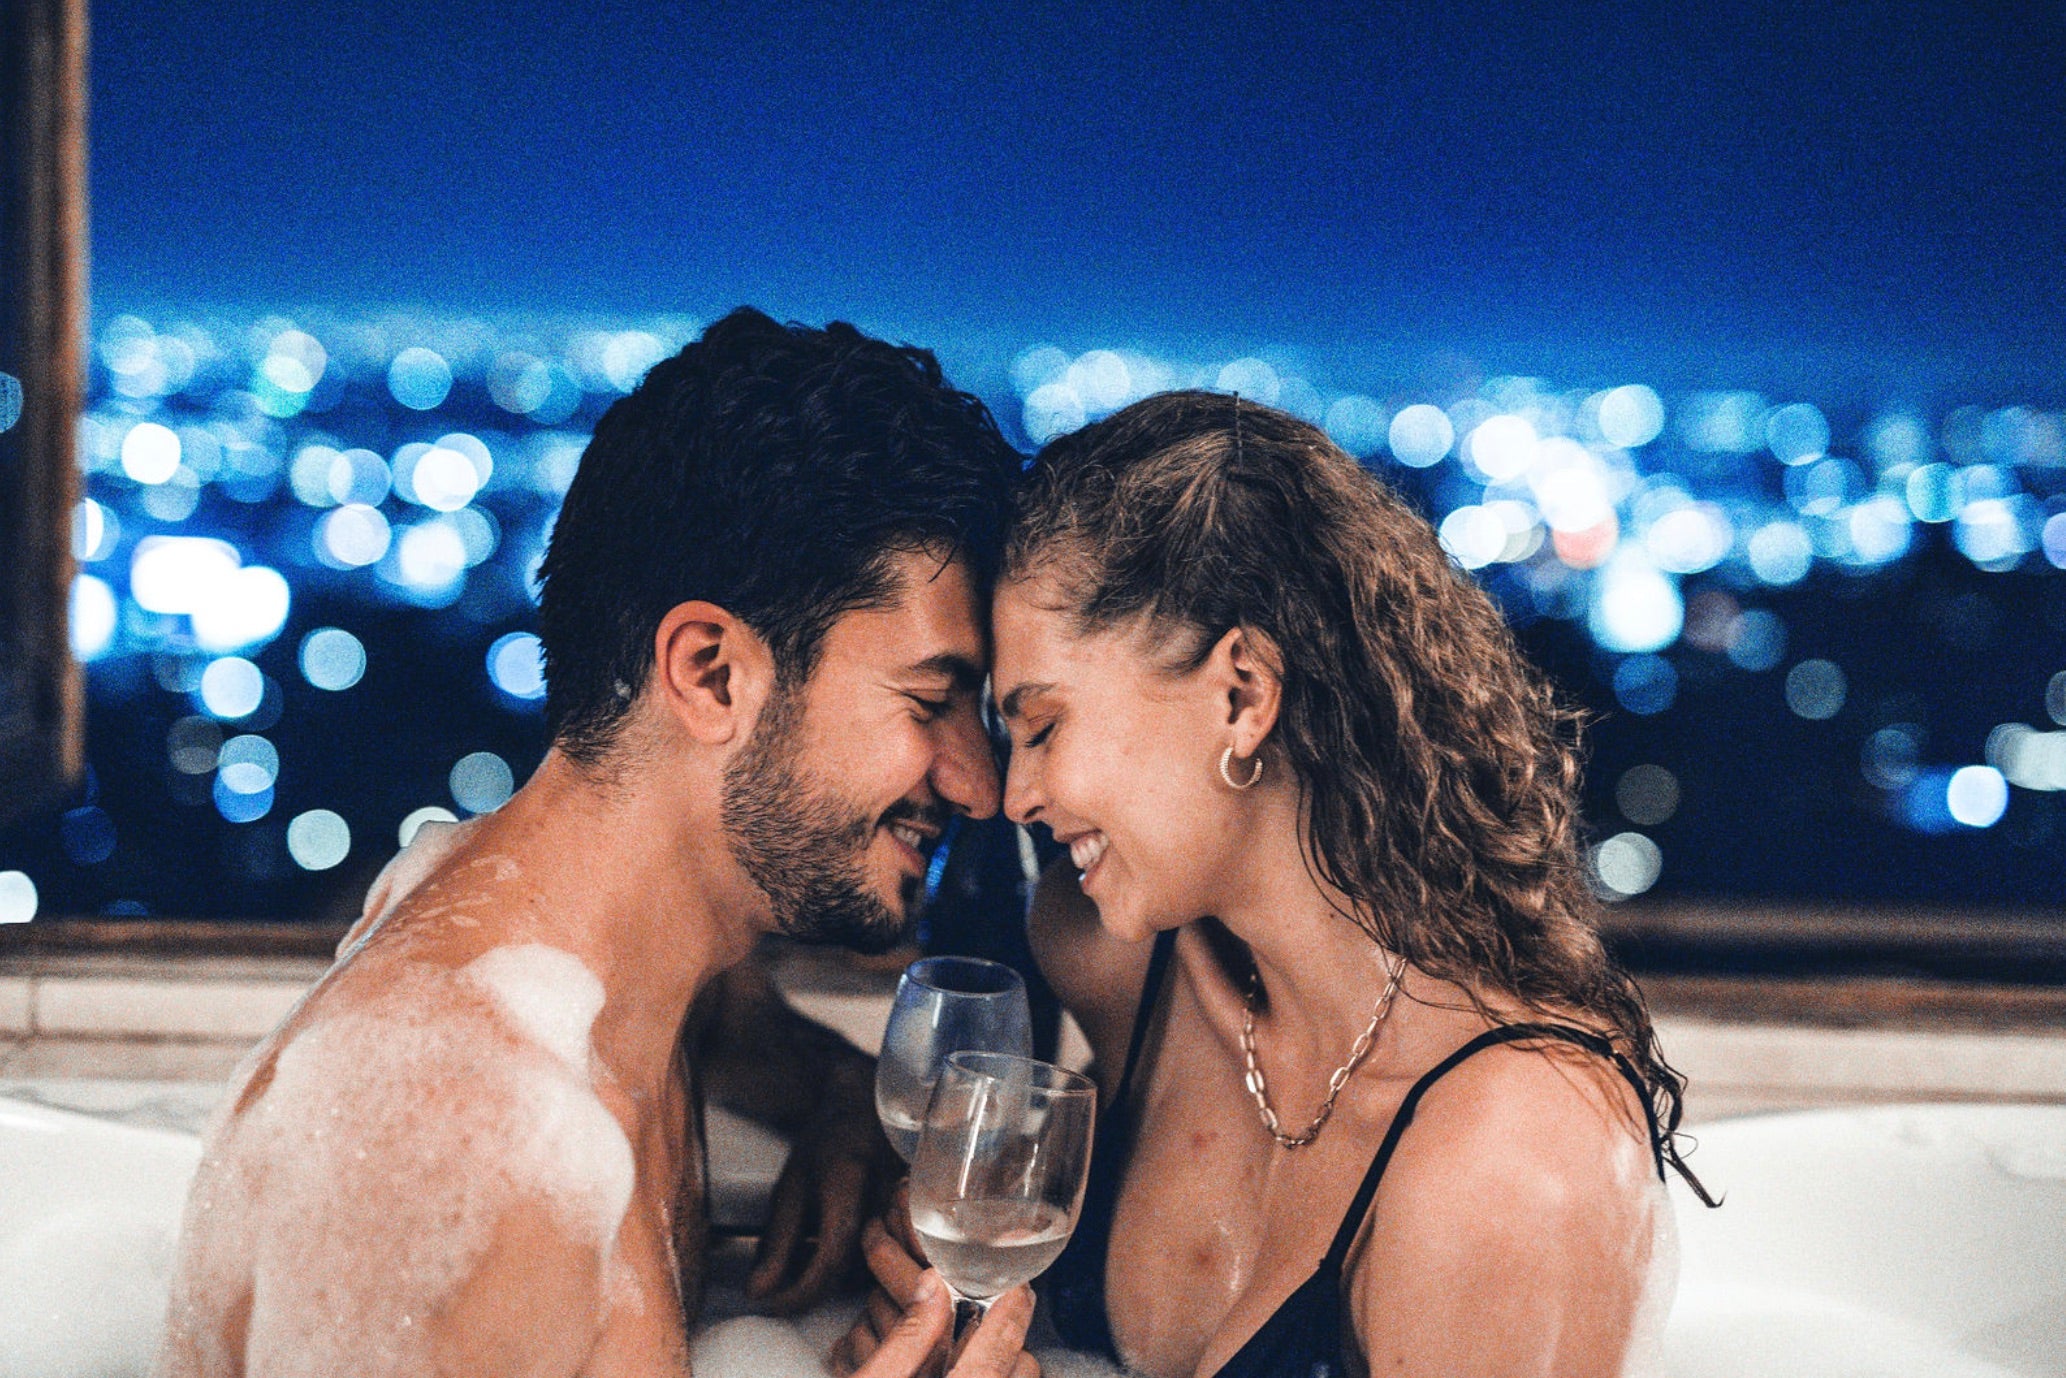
840, 1170
914, 1345
757, 1057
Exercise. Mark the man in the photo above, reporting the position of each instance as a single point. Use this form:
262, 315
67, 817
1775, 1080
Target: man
473, 1148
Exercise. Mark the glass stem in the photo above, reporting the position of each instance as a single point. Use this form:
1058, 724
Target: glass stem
968, 1312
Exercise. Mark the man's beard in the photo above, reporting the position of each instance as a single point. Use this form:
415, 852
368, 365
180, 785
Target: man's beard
804, 846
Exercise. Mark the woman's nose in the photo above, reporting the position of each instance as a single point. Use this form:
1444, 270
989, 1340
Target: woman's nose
1022, 802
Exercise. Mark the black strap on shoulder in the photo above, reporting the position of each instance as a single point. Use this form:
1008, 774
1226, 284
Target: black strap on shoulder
1338, 1253
1158, 963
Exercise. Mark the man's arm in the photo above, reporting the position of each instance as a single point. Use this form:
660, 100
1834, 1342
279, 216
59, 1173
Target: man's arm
756, 1056
532, 1307
525, 1298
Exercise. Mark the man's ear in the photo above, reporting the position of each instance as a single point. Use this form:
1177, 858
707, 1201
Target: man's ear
711, 672
1246, 668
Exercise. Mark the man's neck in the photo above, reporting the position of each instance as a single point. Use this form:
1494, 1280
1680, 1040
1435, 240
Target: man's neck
638, 883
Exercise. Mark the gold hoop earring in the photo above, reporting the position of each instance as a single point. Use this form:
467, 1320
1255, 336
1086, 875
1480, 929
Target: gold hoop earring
1226, 759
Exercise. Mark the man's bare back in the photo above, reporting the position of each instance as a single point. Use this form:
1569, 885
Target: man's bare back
438, 1106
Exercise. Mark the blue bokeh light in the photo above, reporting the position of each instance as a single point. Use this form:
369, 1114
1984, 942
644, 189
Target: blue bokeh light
482, 782
1421, 435
1635, 608
87, 835
332, 659
248, 764
1759, 642
516, 663
1646, 685
18, 897
1976, 796
318, 839
94, 615
419, 378
232, 688
237, 807
1614, 526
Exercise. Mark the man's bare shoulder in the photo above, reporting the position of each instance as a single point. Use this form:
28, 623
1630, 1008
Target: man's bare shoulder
412, 1132
392, 1051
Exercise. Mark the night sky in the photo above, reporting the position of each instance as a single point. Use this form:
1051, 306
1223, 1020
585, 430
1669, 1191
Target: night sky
1829, 196
1857, 212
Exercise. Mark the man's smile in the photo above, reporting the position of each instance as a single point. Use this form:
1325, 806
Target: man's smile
914, 841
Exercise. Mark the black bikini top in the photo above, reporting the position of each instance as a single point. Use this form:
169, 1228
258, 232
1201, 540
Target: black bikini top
1304, 1337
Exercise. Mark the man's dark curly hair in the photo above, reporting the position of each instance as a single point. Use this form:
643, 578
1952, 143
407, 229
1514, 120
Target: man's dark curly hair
774, 470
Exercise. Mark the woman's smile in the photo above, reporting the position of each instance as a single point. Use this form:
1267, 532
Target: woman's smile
1085, 851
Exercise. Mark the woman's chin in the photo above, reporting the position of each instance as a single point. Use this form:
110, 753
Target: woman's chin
1128, 926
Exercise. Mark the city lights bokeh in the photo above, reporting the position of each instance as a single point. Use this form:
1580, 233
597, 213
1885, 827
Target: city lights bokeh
308, 548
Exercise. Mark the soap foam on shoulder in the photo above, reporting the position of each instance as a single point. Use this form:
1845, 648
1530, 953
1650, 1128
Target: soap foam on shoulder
361, 1190
545, 992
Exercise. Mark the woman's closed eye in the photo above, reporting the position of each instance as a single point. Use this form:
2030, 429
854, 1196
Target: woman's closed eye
1037, 738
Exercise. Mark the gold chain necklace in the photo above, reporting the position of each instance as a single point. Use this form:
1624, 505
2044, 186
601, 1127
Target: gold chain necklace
1259, 1088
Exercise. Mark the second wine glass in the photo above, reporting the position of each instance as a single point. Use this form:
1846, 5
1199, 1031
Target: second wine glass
944, 1005
998, 1178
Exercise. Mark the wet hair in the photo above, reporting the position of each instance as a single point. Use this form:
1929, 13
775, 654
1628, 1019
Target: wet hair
1438, 773
774, 470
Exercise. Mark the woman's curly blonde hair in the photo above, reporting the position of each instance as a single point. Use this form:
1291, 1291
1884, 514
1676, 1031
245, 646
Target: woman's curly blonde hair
1438, 771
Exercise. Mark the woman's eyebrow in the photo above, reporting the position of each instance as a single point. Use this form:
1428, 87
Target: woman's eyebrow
1013, 705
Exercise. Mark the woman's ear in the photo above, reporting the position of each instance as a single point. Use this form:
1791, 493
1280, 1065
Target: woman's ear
1248, 670
711, 672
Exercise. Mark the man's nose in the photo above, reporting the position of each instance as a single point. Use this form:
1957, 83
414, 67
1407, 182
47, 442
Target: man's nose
965, 773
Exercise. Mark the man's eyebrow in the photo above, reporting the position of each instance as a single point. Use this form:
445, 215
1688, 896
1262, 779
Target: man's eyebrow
1014, 703
963, 673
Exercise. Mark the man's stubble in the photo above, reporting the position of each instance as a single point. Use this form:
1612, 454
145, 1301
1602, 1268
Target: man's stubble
801, 843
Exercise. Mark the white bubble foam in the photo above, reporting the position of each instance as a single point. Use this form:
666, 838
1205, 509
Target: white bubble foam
361, 1187
1660, 1289
545, 992
756, 1347
433, 842
1727, 1331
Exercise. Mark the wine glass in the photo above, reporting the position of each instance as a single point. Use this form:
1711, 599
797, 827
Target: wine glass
999, 1174
944, 1005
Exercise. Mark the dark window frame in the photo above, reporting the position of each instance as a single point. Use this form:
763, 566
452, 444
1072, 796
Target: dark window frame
42, 329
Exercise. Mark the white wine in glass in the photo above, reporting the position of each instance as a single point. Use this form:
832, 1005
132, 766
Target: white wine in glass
998, 1177
944, 1005
989, 1247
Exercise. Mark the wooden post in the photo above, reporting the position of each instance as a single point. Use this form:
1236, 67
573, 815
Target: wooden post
42, 331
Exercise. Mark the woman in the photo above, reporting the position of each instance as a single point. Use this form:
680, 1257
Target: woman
1376, 1099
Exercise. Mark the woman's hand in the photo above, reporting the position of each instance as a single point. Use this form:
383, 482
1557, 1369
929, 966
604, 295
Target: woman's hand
914, 1344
